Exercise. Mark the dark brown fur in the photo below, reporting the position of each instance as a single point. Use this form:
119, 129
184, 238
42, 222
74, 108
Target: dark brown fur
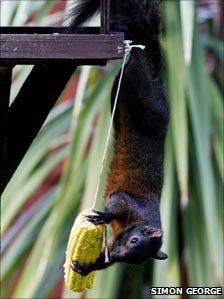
136, 173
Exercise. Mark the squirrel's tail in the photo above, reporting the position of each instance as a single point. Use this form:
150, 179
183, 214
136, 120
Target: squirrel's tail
82, 12
138, 19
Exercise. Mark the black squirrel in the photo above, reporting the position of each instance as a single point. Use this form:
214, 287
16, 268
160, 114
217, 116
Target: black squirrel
136, 174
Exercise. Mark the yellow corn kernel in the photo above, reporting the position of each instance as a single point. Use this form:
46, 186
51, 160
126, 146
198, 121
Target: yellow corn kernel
84, 245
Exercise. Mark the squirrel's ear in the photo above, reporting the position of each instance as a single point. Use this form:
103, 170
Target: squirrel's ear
153, 232
160, 255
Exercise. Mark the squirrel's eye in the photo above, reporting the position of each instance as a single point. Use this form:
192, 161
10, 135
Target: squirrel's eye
134, 240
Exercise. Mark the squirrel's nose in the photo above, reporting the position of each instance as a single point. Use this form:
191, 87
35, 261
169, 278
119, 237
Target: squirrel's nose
114, 254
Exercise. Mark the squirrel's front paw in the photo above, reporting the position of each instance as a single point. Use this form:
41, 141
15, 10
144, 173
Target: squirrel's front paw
80, 268
98, 217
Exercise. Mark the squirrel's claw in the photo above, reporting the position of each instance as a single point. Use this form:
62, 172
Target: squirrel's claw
98, 217
79, 268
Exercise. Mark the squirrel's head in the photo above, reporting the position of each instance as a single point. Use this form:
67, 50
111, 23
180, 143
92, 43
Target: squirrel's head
136, 244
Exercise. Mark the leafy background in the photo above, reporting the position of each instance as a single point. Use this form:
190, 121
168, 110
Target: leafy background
57, 177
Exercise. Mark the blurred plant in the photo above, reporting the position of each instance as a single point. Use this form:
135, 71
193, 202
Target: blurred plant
58, 175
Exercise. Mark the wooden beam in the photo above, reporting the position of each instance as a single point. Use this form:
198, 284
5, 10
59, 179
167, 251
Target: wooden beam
5, 85
31, 48
105, 16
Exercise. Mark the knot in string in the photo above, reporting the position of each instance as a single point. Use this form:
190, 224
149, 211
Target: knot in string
128, 47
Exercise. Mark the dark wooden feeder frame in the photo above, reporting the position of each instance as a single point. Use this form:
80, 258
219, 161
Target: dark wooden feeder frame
55, 54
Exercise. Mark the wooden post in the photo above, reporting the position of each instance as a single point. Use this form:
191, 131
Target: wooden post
5, 85
31, 108
105, 16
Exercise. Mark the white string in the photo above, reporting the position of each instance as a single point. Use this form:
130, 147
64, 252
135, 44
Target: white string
107, 258
127, 50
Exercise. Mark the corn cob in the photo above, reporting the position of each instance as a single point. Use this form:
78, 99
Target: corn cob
84, 245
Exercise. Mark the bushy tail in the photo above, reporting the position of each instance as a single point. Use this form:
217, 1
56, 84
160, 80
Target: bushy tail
83, 11
139, 19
